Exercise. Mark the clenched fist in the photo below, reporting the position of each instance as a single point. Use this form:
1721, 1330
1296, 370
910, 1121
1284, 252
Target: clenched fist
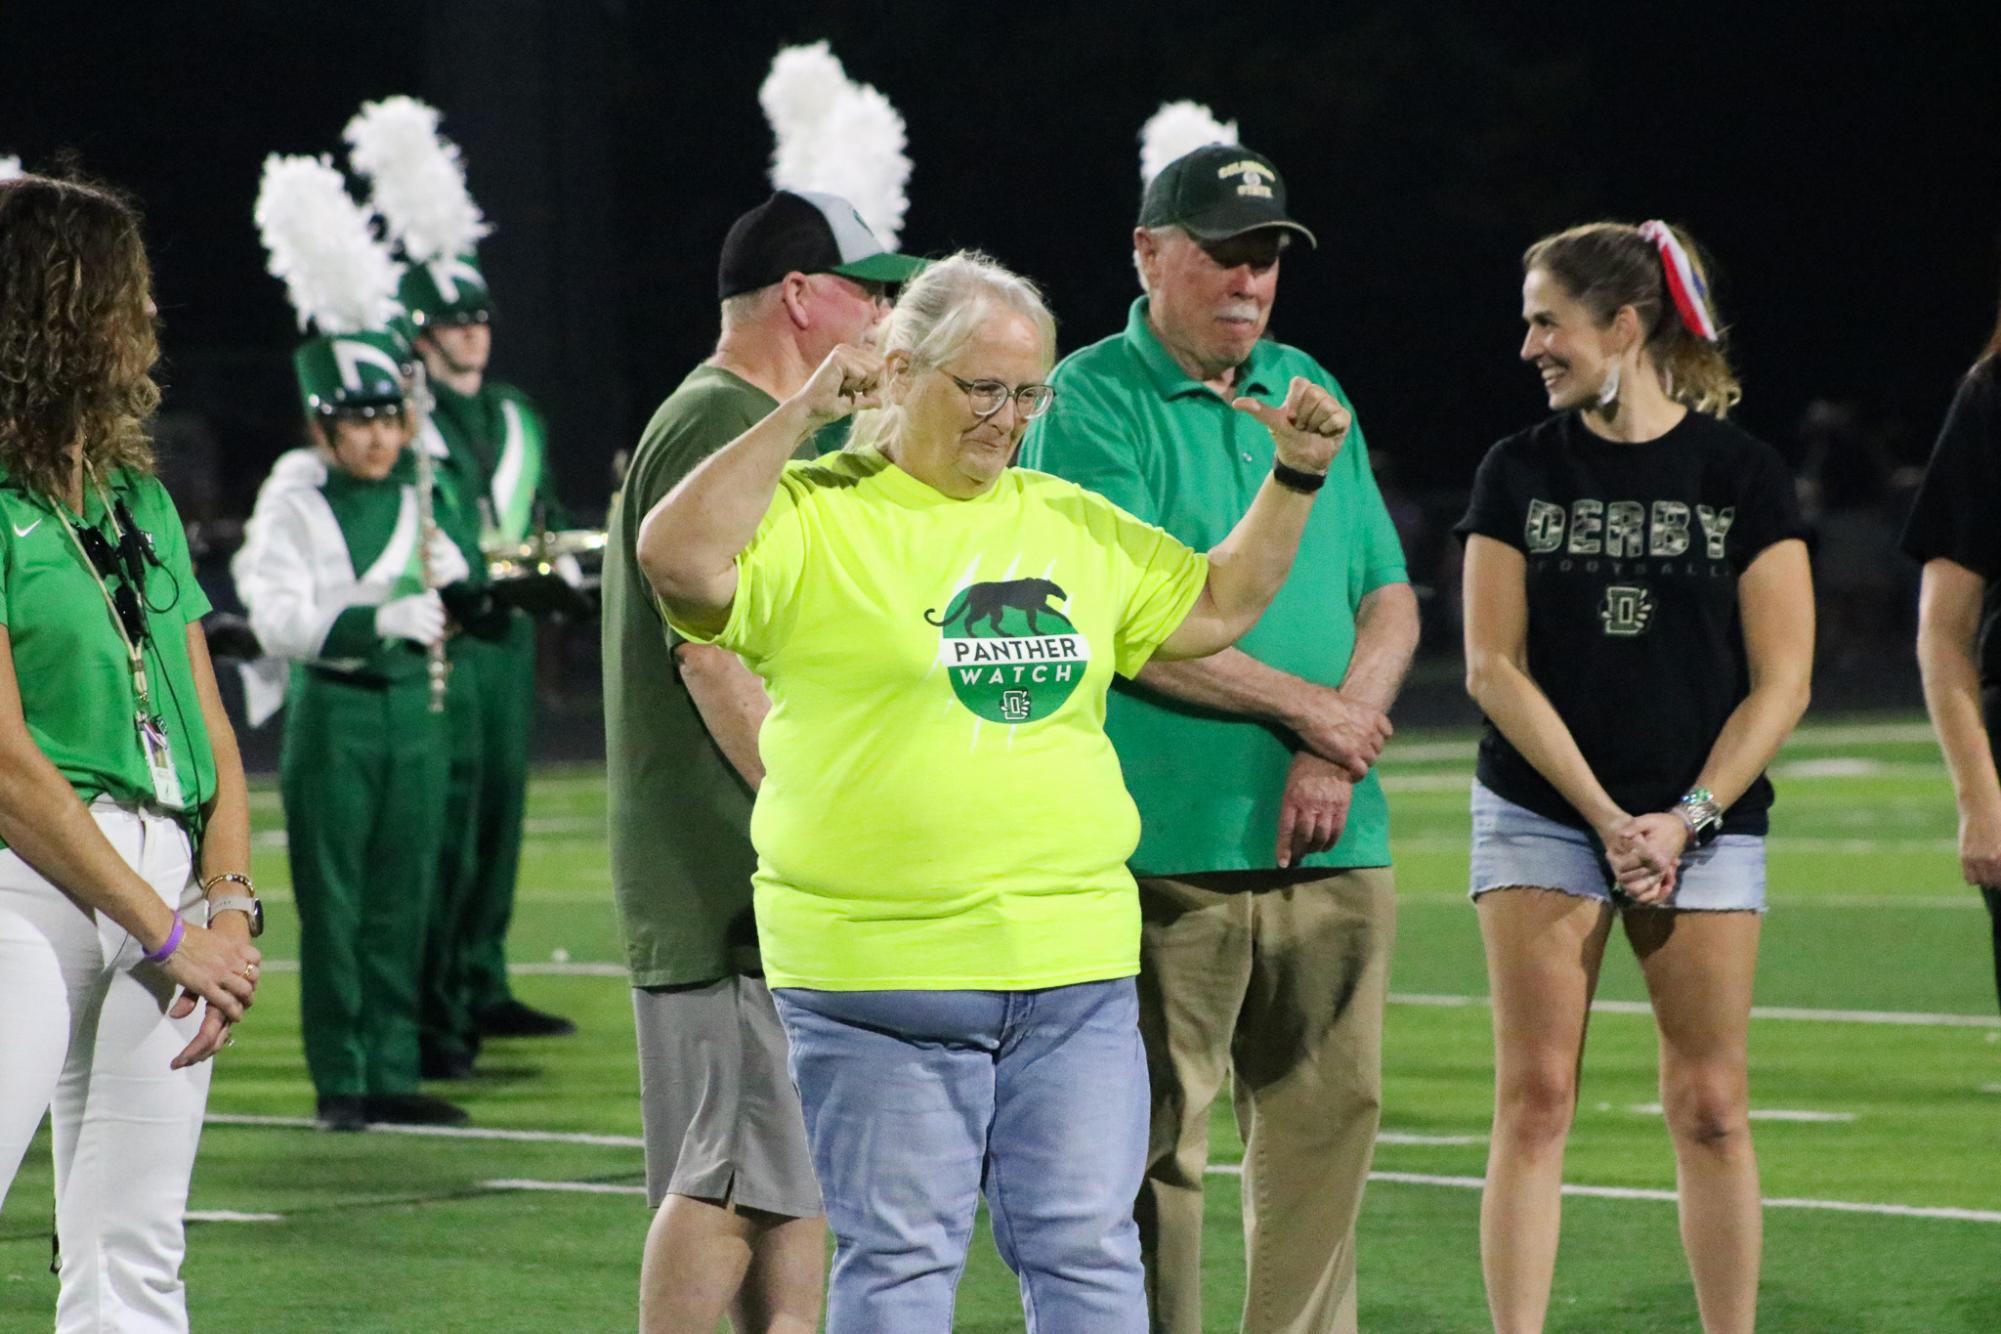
847, 381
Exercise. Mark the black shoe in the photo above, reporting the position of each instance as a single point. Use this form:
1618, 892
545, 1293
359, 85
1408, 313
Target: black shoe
343, 1111
512, 1019
413, 1109
445, 1063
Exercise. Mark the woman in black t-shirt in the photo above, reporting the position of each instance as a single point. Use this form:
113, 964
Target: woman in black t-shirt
1955, 529
1639, 635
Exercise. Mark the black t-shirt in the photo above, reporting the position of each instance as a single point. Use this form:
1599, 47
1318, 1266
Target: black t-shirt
1633, 555
1957, 514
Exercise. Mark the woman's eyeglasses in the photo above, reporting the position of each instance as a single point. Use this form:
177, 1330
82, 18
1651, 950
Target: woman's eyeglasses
990, 396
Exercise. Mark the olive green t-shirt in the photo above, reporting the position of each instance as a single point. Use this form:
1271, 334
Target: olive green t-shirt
70, 662
681, 859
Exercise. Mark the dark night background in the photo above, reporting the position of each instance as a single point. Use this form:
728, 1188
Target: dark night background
1838, 160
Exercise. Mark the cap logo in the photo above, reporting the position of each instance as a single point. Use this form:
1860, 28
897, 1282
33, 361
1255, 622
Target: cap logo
1254, 174
350, 356
449, 273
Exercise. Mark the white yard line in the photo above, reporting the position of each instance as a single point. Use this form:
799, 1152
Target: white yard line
567, 1187
1215, 1169
440, 1132
1946, 1213
1407, 1137
228, 1216
589, 968
1759, 1114
1903, 1017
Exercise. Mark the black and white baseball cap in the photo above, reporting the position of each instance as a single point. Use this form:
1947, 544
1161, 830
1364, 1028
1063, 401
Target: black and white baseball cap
802, 231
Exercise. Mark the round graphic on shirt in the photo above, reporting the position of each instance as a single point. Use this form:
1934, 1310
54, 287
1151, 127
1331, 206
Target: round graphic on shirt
1011, 655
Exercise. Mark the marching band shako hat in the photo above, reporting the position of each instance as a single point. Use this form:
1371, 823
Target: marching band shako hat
350, 372
446, 291
341, 282
1218, 192
804, 231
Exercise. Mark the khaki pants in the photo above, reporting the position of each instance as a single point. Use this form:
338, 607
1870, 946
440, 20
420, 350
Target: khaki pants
1280, 982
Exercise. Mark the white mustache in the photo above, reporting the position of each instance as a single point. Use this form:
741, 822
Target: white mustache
1244, 310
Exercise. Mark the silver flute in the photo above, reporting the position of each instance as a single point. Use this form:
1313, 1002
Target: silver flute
436, 664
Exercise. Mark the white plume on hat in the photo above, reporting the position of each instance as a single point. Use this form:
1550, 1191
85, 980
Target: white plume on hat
836, 136
417, 176
10, 168
1176, 130
337, 272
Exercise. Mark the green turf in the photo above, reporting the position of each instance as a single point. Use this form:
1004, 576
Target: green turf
386, 1232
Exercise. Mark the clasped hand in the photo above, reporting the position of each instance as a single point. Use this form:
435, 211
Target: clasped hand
1644, 852
1308, 429
217, 965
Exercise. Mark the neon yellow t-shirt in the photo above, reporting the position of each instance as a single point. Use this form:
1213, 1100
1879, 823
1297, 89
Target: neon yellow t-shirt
941, 807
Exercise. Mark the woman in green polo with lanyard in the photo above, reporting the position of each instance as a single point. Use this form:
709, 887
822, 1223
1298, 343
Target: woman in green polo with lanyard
122, 803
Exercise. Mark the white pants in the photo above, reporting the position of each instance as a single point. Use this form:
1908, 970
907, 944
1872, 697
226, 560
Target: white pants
84, 1036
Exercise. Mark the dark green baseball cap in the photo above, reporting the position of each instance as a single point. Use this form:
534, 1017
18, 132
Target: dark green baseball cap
1218, 192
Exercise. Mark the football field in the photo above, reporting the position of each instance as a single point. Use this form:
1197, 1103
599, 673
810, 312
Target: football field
1876, 1092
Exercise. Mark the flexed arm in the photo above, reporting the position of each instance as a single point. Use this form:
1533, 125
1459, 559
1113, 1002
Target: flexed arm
688, 543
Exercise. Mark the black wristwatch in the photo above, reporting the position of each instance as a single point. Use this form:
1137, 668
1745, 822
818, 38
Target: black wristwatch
1297, 479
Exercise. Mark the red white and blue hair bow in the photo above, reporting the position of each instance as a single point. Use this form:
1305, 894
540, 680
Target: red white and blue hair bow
1685, 285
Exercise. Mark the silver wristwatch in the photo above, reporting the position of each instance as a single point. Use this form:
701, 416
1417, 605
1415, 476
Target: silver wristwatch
246, 903
1700, 811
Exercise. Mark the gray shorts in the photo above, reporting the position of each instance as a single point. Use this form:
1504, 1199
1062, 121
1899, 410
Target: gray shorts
1513, 846
722, 1118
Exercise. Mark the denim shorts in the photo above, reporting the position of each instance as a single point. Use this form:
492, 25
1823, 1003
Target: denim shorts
1512, 845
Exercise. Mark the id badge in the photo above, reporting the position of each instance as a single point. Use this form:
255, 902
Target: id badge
160, 762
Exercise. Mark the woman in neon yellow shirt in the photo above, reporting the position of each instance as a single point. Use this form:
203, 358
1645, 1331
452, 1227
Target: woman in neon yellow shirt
943, 907
124, 823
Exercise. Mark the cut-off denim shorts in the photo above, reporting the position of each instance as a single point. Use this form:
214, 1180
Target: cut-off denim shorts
1512, 846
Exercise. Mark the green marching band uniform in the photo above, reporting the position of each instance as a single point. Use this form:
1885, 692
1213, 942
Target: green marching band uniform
363, 761
491, 449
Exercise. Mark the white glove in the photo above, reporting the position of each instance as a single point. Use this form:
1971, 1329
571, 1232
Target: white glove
419, 617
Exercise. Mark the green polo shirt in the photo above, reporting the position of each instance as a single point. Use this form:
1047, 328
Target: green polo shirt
69, 661
1129, 423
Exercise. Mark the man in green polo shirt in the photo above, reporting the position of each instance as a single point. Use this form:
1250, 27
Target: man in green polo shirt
1267, 900
739, 1227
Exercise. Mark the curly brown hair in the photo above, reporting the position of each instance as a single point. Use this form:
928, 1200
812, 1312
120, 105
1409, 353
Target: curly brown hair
77, 345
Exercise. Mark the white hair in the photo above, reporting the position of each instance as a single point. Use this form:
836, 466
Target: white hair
939, 312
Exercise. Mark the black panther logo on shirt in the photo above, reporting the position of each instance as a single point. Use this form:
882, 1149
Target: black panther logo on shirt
987, 602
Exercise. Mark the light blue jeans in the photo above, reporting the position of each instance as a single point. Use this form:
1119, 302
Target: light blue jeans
918, 1101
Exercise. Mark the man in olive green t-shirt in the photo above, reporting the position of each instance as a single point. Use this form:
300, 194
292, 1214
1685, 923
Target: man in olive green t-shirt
739, 1226
1266, 898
